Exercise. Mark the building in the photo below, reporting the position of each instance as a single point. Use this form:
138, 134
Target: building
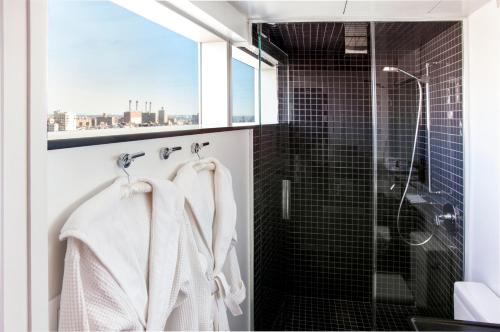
105, 121
52, 125
162, 117
148, 117
83, 122
195, 119
132, 117
65, 120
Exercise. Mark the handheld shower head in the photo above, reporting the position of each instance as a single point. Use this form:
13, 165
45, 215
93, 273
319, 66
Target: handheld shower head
390, 69
397, 70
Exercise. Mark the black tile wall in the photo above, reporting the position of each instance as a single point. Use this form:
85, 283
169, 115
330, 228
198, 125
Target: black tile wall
269, 256
407, 35
331, 171
325, 150
315, 270
271, 261
444, 52
425, 274
397, 101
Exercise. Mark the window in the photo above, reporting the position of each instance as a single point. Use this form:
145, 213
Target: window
113, 71
119, 67
243, 82
244, 87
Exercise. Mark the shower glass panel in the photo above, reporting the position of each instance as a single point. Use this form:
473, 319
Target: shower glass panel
418, 92
351, 254
270, 169
316, 265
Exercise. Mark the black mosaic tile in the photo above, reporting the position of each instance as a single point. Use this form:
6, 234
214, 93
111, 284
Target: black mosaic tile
331, 172
320, 314
269, 264
426, 272
315, 271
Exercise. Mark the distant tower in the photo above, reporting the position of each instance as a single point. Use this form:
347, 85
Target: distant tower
146, 106
162, 117
136, 105
130, 105
149, 107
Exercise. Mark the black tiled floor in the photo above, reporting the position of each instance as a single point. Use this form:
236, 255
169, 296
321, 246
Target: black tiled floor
299, 313
391, 317
314, 314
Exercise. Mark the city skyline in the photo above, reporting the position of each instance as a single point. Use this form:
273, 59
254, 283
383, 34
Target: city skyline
125, 108
58, 121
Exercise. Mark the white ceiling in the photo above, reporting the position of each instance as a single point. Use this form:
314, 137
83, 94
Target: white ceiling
338, 10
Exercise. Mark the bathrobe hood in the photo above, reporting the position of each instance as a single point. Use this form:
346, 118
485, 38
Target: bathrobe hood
97, 224
224, 218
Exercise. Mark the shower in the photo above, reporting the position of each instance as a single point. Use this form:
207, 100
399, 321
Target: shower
419, 115
348, 251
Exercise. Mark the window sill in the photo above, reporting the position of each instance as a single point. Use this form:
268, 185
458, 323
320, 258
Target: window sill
67, 143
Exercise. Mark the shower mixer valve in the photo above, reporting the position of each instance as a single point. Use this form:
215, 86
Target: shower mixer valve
448, 218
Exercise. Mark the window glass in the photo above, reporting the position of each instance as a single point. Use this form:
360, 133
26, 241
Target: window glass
111, 71
243, 85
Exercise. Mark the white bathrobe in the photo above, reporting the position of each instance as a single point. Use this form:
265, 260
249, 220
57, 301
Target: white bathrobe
211, 213
123, 268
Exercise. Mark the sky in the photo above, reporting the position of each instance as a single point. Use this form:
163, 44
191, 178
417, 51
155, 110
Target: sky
243, 89
100, 55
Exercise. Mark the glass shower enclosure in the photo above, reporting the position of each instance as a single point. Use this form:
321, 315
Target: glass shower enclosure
354, 184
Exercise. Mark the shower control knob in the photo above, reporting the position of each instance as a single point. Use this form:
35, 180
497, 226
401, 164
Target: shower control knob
448, 218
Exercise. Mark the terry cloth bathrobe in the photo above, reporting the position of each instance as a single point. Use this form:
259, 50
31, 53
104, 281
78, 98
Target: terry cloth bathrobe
211, 212
122, 267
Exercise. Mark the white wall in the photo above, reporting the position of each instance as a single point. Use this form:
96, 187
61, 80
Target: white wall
215, 78
269, 95
14, 166
75, 175
483, 150
224, 18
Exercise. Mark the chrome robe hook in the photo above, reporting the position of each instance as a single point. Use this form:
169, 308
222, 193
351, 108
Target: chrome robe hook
166, 152
125, 160
196, 148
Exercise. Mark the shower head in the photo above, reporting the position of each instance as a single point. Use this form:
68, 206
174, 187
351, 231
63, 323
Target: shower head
391, 69
397, 70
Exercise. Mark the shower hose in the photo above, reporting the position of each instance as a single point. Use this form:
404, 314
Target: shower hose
398, 219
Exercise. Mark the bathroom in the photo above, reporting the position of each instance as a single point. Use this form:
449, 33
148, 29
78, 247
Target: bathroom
351, 147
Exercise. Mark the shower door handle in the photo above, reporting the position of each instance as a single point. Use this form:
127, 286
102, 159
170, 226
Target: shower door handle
285, 199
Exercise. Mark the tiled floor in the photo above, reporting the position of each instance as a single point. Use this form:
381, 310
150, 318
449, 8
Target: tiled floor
315, 314
392, 317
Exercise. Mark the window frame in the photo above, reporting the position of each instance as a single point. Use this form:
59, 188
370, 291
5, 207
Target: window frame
178, 21
253, 62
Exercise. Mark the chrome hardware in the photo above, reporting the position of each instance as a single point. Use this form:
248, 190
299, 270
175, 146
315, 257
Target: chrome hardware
448, 219
285, 199
125, 160
166, 152
426, 79
196, 148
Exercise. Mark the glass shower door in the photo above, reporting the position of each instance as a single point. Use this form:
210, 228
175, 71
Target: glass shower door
417, 262
270, 169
